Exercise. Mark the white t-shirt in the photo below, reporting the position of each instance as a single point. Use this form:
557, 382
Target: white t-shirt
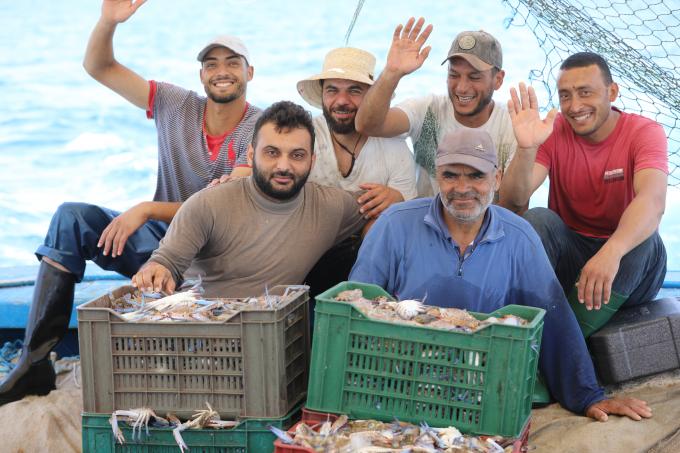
386, 161
431, 117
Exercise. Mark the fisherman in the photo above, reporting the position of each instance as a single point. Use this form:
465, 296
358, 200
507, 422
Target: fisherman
345, 158
198, 139
475, 71
608, 174
460, 250
265, 230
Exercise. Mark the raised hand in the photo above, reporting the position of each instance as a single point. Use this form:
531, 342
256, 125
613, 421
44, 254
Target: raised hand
530, 130
118, 11
407, 53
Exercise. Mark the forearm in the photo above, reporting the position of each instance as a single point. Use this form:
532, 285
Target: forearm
99, 54
639, 221
376, 104
160, 210
516, 184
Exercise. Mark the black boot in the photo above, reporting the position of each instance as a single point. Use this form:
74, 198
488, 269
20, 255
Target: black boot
47, 324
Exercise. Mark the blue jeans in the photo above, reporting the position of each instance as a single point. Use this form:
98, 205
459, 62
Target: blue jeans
641, 271
75, 230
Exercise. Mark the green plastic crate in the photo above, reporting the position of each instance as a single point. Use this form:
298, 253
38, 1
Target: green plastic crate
479, 382
251, 435
253, 364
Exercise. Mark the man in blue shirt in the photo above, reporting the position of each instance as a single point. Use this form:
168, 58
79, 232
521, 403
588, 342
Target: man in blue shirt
462, 251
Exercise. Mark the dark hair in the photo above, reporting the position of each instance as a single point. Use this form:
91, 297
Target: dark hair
285, 115
583, 59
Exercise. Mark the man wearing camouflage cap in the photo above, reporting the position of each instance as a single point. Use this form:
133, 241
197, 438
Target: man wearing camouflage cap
474, 73
460, 250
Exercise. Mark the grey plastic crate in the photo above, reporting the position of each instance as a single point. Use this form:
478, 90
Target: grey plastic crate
638, 341
254, 364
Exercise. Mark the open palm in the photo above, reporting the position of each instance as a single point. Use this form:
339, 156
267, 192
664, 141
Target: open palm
118, 11
530, 130
407, 53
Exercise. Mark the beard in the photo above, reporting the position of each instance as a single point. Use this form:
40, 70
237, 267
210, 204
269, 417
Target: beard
483, 102
342, 128
263, 181
472, 215
227, 98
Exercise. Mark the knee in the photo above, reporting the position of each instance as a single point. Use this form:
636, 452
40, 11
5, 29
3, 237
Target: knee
76, 211
542, 219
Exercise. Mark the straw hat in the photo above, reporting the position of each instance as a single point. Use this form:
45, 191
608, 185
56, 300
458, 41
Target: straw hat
343, 63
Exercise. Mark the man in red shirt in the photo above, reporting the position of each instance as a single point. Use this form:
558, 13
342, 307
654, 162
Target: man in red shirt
608, 174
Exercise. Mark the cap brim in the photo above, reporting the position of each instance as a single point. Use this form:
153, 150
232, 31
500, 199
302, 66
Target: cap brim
475, 162
208, 48
310, 88
474, 60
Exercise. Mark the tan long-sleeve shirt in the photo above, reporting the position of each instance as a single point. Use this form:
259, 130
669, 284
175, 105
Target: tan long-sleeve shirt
240, 240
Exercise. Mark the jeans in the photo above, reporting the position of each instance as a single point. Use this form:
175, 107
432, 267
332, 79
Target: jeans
641, 271
75, 230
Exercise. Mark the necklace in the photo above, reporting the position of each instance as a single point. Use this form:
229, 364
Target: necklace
351, 153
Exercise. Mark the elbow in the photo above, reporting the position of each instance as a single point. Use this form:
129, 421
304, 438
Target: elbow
361, 125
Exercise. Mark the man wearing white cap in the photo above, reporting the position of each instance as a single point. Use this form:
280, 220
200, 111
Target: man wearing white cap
199, 139
345, 158
475, 62
462, 251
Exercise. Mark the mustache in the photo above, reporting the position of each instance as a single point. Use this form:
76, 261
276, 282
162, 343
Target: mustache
282, 174
469, 195
222, 79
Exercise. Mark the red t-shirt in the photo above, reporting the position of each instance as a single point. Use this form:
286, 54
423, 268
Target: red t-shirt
592, 184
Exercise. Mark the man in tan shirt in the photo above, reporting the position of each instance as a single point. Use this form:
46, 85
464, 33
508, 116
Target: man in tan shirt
268, 229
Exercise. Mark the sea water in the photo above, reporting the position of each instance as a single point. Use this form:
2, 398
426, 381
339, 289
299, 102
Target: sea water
64, 137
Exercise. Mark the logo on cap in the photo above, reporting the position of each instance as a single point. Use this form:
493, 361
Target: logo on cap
467, 42
480, 147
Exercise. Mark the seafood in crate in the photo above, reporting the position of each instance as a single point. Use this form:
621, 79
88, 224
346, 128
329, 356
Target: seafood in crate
251, 362
338, 434
415, 312
459, 369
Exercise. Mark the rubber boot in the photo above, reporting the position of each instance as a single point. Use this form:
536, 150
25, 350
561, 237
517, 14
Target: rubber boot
47, 324
592, 320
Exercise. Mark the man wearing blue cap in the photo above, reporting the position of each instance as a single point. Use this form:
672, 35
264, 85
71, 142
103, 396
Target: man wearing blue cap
462, 251
199, 139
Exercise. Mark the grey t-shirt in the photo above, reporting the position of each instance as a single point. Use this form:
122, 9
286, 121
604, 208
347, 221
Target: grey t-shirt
241, 241
184, 165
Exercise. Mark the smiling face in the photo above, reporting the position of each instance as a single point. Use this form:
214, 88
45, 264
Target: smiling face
585, 101
282, 160
341, 99
471, 91
224, 75
466, 192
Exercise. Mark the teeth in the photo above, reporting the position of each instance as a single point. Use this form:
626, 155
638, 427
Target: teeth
465, 98
581, 117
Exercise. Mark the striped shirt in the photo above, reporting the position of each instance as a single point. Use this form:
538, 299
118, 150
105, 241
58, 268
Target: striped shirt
184, 164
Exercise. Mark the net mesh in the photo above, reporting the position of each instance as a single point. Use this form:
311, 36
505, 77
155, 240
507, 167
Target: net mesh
639, 39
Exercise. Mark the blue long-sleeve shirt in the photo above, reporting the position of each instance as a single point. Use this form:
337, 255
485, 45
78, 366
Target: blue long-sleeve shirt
410, 253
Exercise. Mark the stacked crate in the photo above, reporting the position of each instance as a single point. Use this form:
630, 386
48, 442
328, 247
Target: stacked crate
253, 366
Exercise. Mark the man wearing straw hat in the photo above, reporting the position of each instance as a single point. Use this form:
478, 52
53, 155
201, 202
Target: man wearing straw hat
475, 72
382, 167
462, 251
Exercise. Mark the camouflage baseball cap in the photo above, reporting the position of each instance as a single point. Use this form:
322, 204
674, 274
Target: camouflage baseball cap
479, 48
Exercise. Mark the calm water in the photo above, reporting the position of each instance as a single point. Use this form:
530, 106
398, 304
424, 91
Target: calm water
63, 137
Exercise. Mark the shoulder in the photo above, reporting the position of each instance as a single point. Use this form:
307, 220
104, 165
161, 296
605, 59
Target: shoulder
416, 207
515, 228
634, 123
177, 93
327, 195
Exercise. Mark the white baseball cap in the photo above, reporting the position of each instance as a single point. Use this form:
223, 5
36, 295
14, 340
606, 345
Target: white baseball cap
230, 42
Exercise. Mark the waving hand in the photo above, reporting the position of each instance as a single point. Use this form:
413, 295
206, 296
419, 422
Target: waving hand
530, 130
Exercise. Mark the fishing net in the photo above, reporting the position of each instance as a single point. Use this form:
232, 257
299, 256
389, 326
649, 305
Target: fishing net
639, 40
